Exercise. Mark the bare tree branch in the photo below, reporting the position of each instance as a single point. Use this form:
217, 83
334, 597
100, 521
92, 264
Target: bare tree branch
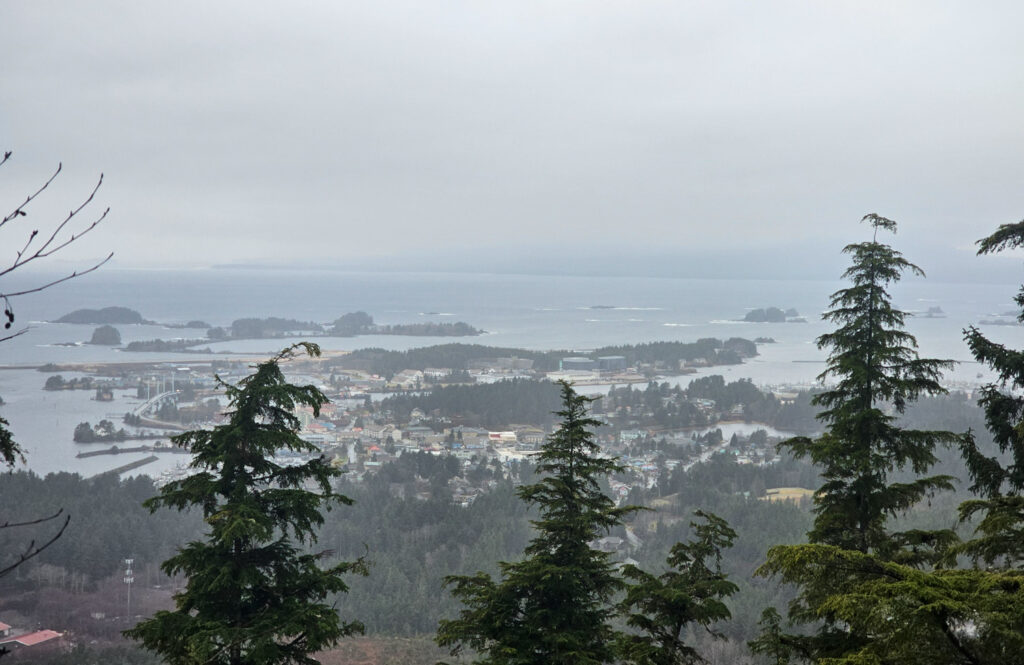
33, 550
77, 273
45, 249
60, 237
13, 525
35, 247
17, 334
20, 210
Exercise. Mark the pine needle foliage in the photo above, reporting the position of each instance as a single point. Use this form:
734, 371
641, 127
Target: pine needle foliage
1000, 534
10, 451
252, 596
555, 606
995, 588
690, 594
877, 372
878, 612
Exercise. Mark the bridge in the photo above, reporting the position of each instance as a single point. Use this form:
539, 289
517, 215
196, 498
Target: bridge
154, 401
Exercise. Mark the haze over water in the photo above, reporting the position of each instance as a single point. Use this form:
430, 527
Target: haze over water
527, 311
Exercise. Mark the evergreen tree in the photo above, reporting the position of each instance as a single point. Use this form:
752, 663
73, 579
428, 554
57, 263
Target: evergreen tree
555, 606
1000, 483
771, 643
877, 372
252, 595
998, 591
692, 592
10, 451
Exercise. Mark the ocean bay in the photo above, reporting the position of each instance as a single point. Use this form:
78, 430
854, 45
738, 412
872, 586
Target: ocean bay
538, 312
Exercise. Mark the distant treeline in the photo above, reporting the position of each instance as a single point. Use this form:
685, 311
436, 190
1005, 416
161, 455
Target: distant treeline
716, 352
164, 345
661, 406
657, 406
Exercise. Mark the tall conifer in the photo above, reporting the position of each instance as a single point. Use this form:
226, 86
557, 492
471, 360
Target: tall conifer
555, 606
252, 596
877, 372
1000, 482
997, 590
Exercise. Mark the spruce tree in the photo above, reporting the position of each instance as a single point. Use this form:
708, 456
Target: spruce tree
876, 372
1000, 482
691, 593
997, 600
252, 595
555, 606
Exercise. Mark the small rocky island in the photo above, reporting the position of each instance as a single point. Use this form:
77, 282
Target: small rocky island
774, 315
106, 336
361, 323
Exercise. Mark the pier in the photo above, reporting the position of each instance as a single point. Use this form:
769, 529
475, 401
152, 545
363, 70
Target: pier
130, 466
114, 450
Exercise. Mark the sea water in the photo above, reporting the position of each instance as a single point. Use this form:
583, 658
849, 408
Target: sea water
540, 312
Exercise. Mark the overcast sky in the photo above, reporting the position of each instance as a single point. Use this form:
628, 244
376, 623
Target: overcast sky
323, 132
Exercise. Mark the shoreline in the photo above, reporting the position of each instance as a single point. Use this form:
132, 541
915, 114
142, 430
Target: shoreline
95, 366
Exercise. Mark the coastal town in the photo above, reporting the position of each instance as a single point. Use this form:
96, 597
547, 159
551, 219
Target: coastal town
373, 420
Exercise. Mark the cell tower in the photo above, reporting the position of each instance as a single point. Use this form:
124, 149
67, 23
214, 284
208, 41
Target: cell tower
129, 579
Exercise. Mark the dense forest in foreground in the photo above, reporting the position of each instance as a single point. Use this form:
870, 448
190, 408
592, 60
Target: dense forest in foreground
405, 524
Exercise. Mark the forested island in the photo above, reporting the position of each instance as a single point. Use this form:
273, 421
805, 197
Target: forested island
347, 325
106, 315
660, 356
58, 382
361, 323
101, 432
351, 324
168, 345
773, 315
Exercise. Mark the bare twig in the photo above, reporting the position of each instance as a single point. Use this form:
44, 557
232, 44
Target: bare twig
60, 237
77, 273
20, 210
33, 550
12, 525
17, 334
45, 249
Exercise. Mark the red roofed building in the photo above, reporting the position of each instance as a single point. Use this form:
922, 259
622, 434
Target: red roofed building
29, 639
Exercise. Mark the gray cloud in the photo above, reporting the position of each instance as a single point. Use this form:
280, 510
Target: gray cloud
325, 131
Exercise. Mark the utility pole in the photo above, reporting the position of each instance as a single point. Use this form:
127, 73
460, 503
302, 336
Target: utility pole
129, 579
